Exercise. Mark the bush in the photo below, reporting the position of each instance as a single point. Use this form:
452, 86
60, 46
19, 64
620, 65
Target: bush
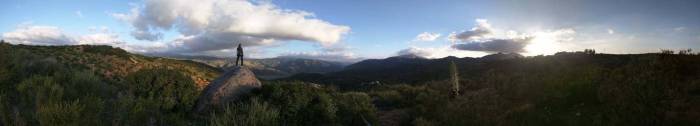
170, 89
156, 96
70, 113
310, 104
303, 104
355, 108
253, 113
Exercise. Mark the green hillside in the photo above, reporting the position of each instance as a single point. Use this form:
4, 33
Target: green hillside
111, 63
101, 85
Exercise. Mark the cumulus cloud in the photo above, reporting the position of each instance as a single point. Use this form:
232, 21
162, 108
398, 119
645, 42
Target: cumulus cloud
38, 35
100, 39
482, 28
426, 37
478, 39
516, 45
209, 25
485, 38
50, 35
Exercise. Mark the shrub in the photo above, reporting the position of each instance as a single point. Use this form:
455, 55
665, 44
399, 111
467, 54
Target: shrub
170, 89
303, 103
253, 113
355, 108
156, 97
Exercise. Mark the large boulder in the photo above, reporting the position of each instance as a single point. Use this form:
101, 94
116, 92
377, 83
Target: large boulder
227, 88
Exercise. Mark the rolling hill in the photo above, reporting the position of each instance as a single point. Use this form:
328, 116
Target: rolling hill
111, 63
414, 69
272, 68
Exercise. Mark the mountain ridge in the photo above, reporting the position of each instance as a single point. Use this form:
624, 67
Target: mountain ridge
271, 68
403, 69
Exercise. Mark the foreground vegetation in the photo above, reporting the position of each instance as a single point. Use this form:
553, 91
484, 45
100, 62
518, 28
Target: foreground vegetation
63, 86
39, 87
566, 89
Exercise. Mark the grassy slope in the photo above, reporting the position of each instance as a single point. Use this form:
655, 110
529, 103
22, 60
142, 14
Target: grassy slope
113, 63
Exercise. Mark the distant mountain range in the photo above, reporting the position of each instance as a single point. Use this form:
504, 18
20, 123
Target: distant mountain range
272, 68
415, 69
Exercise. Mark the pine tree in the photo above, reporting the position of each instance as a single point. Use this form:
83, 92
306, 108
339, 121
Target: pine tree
454, 78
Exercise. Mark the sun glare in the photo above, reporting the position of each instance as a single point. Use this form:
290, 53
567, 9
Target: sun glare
543, 44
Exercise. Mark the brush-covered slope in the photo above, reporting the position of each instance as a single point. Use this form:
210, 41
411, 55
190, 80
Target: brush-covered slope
96, 85
112, 63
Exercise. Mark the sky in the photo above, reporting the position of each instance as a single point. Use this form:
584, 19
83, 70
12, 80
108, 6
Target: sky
351, 30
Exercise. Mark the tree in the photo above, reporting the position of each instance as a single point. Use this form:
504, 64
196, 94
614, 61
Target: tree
686, 52
589, 51
454, 78
666, 51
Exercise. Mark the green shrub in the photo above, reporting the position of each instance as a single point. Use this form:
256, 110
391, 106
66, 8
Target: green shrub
170, 89
303, 104
69, 113
310, 104
355, 108
253, 113
156, 96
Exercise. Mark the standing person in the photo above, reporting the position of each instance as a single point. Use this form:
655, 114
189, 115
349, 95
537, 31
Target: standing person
239, 55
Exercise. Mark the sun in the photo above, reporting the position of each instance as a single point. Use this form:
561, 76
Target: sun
542, 44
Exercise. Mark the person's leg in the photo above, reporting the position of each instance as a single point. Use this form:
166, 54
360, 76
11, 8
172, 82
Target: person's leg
237, 60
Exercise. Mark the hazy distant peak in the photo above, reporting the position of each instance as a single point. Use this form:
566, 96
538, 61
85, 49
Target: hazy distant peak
409, 56
501, 56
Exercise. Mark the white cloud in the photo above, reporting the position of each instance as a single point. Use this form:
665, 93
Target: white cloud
79, 14
38, 35
439, 52
427, 36
611, 31
99, 39
679, 29
484, 37
210, 25
50, 35
482, 28
102, 29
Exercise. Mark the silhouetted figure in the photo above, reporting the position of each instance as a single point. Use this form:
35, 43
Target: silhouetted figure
239, 55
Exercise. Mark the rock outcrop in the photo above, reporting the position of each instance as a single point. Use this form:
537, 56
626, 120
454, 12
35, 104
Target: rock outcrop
228, 87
